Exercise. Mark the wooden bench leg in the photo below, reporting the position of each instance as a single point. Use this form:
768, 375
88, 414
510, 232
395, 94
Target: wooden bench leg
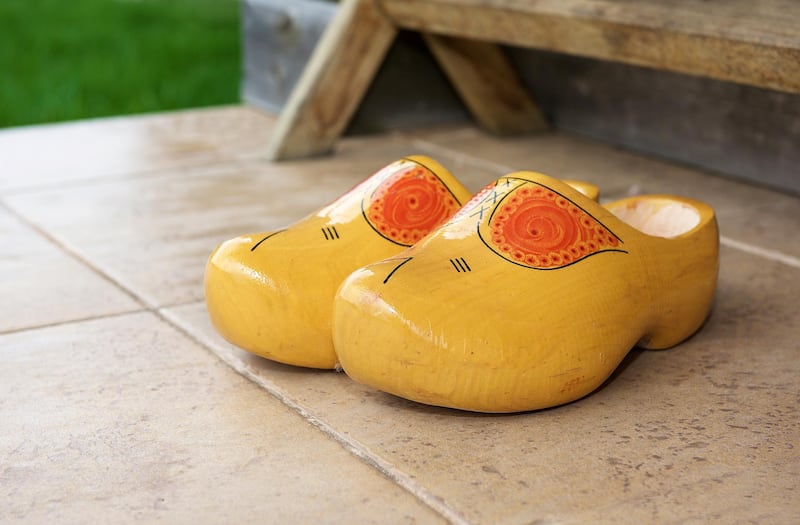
488, 84
333, 83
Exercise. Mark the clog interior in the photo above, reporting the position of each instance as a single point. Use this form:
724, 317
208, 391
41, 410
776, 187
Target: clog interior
657, 216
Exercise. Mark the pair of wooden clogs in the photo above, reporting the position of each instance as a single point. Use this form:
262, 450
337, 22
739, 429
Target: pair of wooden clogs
525, 296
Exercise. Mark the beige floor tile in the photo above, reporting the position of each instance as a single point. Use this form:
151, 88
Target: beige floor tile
153, 234
40, 155
126, 420
748, 214
40, 284
705, 432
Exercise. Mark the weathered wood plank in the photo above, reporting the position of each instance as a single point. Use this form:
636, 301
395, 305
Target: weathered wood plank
734, 129
331, 87
756, 43
487, 83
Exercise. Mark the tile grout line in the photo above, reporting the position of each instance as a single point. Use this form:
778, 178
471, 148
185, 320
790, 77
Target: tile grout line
353, 446
97, 317
77, 256
357, 449
458, 156
772, 255
147, 173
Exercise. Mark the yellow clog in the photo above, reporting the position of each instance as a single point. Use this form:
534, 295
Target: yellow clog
271, 293
529, 297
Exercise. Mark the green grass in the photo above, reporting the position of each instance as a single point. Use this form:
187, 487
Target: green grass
64, 60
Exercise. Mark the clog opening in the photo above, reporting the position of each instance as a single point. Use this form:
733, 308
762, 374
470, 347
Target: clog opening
658, 216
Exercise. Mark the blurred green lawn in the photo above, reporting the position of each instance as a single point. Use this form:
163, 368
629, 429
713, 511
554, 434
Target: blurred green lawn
62, 60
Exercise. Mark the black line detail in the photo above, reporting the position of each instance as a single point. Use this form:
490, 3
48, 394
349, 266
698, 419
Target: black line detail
554, 267
561, 195
330, 233
395, 269
524, 181
460, 265
372, 194
438, 177
265, 238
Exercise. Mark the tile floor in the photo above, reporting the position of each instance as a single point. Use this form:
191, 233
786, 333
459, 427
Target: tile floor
118, 402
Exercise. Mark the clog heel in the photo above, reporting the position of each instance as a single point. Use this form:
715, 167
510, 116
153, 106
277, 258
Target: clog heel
684, 262
529, 297
271, 293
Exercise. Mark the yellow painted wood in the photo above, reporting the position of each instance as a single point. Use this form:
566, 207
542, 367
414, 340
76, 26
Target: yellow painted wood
271, 293
487, 83
529, 297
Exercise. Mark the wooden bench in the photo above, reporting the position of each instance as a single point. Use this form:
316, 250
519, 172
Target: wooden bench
754, 43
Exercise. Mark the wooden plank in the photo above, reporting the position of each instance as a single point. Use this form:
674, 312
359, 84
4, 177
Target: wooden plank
487, 83
756, 43
742, 131
333, 83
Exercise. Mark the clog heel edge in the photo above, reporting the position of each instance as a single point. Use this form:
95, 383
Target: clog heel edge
685, 258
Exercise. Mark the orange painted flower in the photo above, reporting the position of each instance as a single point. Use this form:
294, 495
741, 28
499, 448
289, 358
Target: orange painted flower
409, 204
538, 228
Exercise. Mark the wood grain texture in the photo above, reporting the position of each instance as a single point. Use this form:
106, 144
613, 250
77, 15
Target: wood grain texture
756, 43
741, 131
338, 74
487, 83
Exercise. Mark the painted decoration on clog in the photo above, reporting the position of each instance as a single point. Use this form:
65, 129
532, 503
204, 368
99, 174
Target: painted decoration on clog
408, 204
534, 226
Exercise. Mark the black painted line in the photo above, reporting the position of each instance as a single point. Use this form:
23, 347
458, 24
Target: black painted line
325, 233
610, 250
395, 269
584, 210
438, 177
466, 265
455, 265
265, 238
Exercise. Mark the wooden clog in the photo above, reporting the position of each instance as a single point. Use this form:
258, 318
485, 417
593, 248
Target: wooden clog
529, 297
271, 293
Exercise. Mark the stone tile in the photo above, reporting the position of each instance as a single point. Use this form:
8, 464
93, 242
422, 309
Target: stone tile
746, 213
41, 284
153, 234
126, 420
704, 432
40, 155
